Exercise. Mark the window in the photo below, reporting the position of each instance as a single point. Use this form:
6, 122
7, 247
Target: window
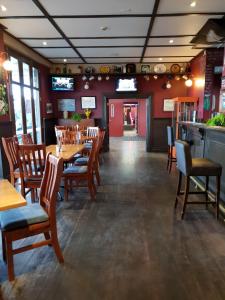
26, 100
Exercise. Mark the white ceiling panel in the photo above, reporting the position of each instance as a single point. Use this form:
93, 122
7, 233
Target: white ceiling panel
30, 28
184, 6
19, 8
165, 41
108, 42
115, 52
50, 43
92, 27
112, 60
97, 7
167, 59
174, 51
69, 61
57, 52
179, 25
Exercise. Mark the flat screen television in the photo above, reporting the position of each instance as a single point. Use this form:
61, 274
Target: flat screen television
62, 83
126, 84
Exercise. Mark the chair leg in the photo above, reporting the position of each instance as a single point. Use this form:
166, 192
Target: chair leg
217, 196
3, 248
32, 195
170, 159
97, 175
91, 188
47, 237
178, 189
186, 191
206, 190
55, 244
9, 255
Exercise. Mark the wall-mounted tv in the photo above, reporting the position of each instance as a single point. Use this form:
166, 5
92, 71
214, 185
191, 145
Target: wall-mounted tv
62, 83
128, 84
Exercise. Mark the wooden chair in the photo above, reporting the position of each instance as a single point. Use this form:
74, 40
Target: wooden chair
80, 174
92, 131
27, 139
9, 145
31, 161
35, 218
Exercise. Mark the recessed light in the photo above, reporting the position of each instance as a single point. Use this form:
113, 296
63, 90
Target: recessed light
171, 41
44, 43
3, 8
160, 58
65, 60
193, 4
104, 28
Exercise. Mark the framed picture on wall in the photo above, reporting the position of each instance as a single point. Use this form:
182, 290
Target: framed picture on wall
88, 102
49, 108
168, 105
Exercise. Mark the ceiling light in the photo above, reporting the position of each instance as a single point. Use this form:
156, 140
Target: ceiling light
44, 43
171, 41
99, 78
188, 82
160, 58
199, 82
86, 86
103, 28
193, 4
155, 77
7, 65
65, 60
168, 85
3, 8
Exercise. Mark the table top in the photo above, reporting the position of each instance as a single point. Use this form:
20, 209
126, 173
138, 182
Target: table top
9, 196
68, 151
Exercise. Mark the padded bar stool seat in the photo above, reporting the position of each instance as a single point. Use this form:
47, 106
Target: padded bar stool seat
170, 141
195, 167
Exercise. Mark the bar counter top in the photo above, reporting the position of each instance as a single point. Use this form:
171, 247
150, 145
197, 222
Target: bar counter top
203, 125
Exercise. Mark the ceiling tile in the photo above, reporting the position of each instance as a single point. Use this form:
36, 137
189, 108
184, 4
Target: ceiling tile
112, 60
97, 7
20, 8
174, 51
30, 28
106, 52
50, 43
107, 42
179, 25
184, 6
165, 41
60, 52
167, 59
92, 27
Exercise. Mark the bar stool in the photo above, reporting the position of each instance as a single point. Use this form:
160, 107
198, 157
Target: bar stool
188, 167
170, 142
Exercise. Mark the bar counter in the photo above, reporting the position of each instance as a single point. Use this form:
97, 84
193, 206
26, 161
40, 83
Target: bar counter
209, 142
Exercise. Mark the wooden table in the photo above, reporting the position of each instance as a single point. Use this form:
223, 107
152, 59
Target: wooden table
9, 197
68, 151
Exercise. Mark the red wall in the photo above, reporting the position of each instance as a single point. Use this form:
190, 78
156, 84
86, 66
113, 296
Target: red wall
99, 88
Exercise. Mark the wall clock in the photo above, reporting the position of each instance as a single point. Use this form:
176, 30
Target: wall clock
160, 68
175, 68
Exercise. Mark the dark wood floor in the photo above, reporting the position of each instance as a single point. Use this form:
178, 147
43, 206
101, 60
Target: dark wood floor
129, 244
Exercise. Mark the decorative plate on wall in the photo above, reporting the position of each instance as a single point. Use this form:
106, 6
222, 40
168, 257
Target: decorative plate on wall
160, 68
104, 69
175, 68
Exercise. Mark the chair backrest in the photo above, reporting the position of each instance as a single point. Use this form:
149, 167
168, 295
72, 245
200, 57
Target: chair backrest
92, 156
31, 160
170, 136
67, 137
92, 131
183, 154
9, 145
27, 139
50, 184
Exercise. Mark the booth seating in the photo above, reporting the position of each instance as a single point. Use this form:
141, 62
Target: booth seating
188, 167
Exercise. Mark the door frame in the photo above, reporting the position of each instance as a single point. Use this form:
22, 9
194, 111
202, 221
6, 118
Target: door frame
149, 115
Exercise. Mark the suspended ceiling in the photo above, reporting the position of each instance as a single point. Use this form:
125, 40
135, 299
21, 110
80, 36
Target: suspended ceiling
110, 31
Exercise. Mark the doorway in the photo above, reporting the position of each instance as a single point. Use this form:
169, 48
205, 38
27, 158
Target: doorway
110, 110
130, 119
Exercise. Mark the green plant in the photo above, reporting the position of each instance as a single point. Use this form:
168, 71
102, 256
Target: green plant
76, 117
3, 99
218, 120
